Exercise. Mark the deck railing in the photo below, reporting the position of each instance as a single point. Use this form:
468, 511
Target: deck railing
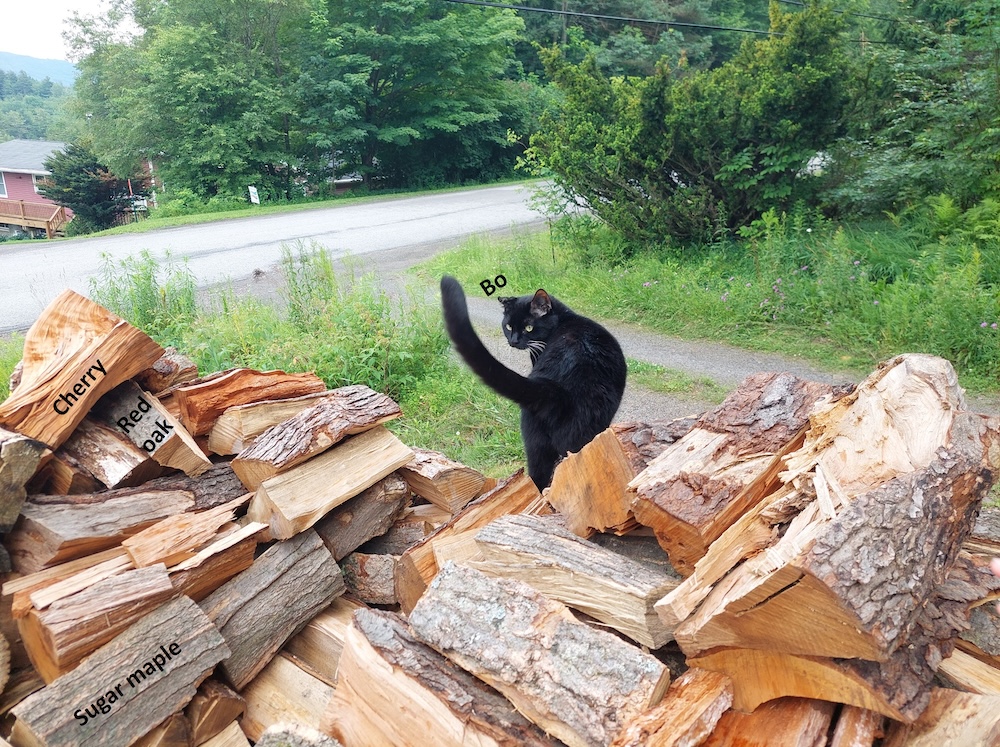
33, 215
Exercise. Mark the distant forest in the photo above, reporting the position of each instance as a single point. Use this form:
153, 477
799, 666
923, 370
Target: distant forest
32, 109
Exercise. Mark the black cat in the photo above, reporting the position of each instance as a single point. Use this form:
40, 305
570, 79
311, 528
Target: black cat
577, 376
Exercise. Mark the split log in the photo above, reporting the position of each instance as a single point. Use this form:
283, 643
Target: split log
366, 515
58, 637
318, 646
63, 475
344, 412
408, 528
212, 709
384, 666
47, 534
965, 672
295, 500
21, 684
174, 732
231, 736
20, 458
417, 566
581, 575
694, 489
74, 353
688, 713
170, 369
577, 683
217, 562
175, 538
370, 578
893, 543
237, 427
218, 485
41, 598
201, 404
857, 727
849, 489
590, 488
281, 693
442, 481
141, 418
261, 608
21, 587
789, 722
952, 718
128, 686
109, 455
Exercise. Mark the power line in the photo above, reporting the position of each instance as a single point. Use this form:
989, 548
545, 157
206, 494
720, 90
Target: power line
599, 16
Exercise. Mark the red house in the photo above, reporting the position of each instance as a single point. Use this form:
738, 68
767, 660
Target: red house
22, 208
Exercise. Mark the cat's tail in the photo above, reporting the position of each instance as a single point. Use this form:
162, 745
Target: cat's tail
496, 375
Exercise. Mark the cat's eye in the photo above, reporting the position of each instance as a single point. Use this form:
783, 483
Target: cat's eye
528, 328
508, 327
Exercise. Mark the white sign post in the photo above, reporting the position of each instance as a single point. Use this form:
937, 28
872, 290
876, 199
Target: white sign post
254, 197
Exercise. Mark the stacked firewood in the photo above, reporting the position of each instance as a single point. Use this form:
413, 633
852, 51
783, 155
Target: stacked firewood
251, 557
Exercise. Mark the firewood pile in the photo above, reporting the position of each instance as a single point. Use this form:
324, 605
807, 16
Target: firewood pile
249, 557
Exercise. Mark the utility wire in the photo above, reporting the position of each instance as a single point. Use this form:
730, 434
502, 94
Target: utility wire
578, 14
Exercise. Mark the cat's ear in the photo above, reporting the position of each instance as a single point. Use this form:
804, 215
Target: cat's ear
507, 301
541, 304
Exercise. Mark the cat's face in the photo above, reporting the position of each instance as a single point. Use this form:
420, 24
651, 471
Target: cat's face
529, 321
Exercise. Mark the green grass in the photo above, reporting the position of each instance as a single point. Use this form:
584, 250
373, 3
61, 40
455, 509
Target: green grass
842, 299
10, 355
677, 383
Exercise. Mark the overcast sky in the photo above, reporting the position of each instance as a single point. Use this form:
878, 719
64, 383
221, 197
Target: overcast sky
34, 27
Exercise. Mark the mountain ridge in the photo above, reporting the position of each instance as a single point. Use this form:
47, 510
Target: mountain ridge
58, 71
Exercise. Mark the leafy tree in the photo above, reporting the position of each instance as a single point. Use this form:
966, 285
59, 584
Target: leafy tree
926, 112
410, 72
688, 154
80, 182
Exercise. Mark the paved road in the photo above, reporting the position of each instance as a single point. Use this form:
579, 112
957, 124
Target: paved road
32, 275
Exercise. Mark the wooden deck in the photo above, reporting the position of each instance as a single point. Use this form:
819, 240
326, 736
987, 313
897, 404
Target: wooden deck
33, 215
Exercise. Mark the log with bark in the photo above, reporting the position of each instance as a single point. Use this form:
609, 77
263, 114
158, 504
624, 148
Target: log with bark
343, 412
874, 506
442, 481
577, 683
201, 404
170, 369
694, 489
128, 686
395, 691
74, 353
51, 533
138, 415
295, 500
20, 458
238, 426
417, 566
607, 586
590, 488
59, 635
229, 553
109, 455
261, 608
952, 718
369, 514
370, 578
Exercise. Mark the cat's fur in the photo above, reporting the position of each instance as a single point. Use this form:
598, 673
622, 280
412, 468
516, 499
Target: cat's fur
577, 376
